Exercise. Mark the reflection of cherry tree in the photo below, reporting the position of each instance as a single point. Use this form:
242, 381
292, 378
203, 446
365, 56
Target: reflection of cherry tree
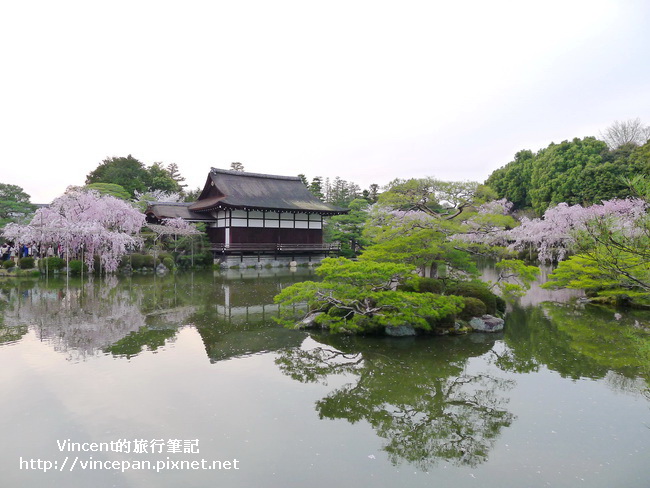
427, 407
104, 315
11, 334
79, 321
8, 334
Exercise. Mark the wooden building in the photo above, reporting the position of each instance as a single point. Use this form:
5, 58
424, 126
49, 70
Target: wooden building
251, 215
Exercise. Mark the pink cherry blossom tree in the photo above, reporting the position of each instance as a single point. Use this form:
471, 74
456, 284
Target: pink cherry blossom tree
84, 223
554, 234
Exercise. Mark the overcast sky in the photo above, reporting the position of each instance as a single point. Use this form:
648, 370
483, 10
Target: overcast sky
365, 90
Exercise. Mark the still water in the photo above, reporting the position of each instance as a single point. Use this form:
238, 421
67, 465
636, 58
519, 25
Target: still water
187, 381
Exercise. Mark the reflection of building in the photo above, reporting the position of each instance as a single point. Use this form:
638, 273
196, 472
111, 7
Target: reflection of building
256, 218
239, 319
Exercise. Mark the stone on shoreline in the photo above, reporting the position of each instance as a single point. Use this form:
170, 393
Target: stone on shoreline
400, 331
486, 323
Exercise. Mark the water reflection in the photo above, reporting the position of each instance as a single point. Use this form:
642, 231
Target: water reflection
536, 294
578, 341
126, 316
417, 395
429, 400
234, 314
77, 320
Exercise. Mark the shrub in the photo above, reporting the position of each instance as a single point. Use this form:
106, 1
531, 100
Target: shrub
75, 266
200, 260
26, 263
168, 262
165, 255
8, 264
475, 290
473, 308
203, 259
137, 260
501, 305
51, 264
423, 285
430, 285
148, 261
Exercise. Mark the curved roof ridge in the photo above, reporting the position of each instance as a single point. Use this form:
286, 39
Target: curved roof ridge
255, 175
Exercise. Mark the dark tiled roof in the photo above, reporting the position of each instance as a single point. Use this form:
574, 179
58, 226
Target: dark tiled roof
172, 210
257, 191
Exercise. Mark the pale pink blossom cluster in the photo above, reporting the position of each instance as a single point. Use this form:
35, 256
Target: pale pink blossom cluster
158, 196
84, 223
488, 225
553, 234
178, 223
496, 207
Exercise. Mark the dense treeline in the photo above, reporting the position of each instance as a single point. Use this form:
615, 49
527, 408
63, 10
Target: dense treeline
340, 192
134, 177
581, 171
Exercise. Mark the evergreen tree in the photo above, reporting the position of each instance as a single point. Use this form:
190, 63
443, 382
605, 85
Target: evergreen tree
14, 204
372, 193
174, 174
127, 172
582, 171
348, 229
316, 188
160, 179
237, 166
133, 175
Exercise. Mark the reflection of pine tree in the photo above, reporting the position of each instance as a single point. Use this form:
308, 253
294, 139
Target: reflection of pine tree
427, 411
317, 364
575, 341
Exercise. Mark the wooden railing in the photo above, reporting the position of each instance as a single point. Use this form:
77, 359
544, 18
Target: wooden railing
275, 247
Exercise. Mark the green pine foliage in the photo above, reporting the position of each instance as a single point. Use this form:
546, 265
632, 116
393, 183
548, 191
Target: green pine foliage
347, 229
360, 297
15, 205
515, 277
134, 176
625, 276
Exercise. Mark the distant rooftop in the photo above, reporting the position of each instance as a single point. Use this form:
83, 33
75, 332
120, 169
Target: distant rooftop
173, 210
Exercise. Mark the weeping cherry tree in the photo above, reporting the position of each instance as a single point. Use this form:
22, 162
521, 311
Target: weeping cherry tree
84, 223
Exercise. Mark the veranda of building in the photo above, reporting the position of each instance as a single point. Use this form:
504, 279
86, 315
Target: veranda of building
256, 219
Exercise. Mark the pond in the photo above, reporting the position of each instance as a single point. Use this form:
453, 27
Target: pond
186, 380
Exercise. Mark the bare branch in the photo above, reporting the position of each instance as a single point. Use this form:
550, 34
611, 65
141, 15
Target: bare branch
626, 132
